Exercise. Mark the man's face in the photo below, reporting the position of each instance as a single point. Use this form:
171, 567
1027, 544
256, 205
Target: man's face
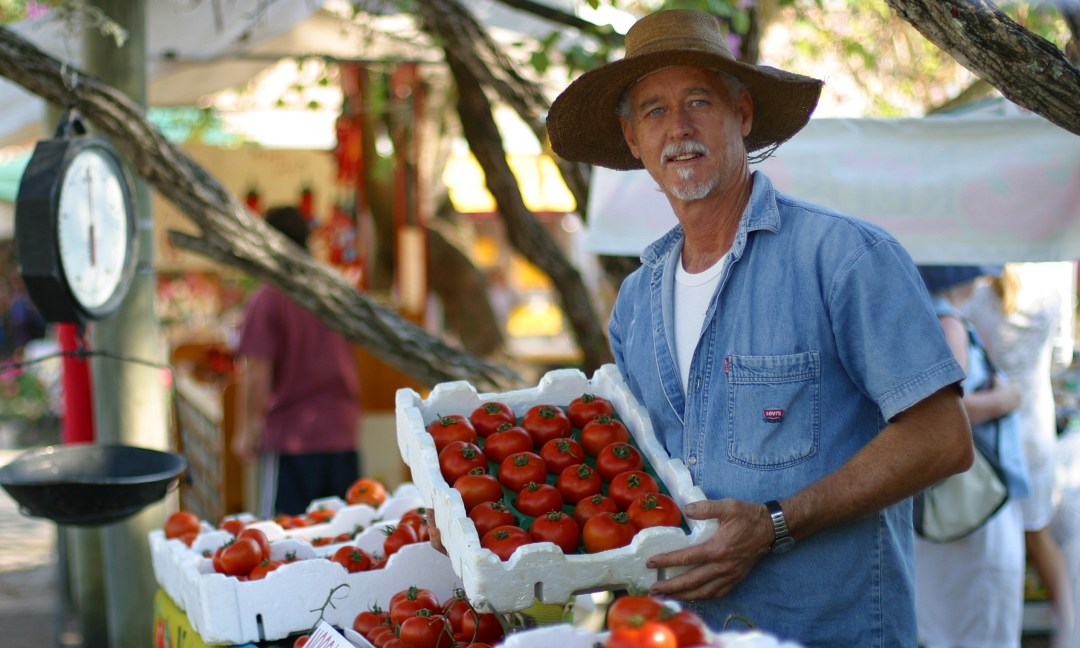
686, 130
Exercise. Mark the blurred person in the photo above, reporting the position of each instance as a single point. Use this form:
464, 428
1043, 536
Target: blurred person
298, 395
1025, 320
970, 592
787, 354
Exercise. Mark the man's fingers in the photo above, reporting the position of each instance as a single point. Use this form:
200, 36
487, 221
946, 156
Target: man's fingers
703, 509
701, 582
692, 555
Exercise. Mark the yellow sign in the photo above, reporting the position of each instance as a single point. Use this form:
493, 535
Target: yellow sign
172, 629
541, 184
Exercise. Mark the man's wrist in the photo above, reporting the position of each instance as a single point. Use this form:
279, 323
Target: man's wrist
782, 540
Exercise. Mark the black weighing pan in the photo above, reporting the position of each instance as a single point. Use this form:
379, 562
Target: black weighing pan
89, 484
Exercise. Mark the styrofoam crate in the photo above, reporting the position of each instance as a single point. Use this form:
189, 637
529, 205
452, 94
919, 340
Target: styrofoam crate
291, 598
541, 571
224, 609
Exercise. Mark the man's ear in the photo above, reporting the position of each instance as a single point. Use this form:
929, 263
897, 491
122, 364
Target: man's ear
744, 105
628, 135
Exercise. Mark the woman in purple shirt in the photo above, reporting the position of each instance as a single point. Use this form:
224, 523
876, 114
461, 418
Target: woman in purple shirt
299, 401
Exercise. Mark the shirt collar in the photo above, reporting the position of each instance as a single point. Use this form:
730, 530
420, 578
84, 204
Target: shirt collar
760, 213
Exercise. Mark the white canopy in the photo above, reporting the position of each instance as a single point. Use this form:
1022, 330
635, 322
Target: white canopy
198, 48
974, 189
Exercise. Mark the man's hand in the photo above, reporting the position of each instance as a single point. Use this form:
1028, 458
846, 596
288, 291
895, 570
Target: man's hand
433, 532
724, 560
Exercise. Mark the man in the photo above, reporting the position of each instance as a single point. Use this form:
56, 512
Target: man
786, 353
298, 395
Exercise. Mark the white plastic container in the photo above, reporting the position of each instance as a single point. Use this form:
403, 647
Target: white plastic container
541, 571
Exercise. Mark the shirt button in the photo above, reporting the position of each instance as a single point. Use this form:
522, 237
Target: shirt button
692, 460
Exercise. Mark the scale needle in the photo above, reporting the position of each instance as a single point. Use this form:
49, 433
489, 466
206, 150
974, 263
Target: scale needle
90, 212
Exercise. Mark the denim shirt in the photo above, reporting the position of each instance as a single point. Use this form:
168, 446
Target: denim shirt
819, 332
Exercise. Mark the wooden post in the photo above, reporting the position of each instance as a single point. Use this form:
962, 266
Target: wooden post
130, 398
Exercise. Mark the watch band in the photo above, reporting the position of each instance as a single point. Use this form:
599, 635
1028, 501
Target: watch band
783, 540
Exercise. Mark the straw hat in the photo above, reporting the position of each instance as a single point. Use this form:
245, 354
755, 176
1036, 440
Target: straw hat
583, 125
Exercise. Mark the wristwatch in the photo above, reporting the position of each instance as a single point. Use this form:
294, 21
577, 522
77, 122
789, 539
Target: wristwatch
783, 540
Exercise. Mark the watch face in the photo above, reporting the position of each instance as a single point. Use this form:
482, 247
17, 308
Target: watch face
93, 227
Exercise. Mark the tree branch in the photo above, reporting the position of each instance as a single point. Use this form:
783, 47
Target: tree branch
1027, 69
232, 235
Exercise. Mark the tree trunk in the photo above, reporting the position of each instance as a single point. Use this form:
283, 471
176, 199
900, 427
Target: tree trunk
524, 231
1027, 69
232, 235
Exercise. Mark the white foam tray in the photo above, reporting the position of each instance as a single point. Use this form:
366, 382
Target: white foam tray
223, 609
541, 571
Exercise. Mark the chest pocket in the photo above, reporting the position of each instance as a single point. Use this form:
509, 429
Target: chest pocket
773, 409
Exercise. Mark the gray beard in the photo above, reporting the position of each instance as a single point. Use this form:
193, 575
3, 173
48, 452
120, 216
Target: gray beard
688, 190
692, 190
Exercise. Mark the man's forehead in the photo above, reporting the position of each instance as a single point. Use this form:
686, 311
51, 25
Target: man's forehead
669, 70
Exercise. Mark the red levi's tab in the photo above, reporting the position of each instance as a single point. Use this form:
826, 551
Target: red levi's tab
772, 415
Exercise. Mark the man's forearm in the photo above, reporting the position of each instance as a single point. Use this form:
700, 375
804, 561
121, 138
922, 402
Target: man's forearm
922, 446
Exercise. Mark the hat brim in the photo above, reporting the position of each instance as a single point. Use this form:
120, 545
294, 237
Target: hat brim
583, 125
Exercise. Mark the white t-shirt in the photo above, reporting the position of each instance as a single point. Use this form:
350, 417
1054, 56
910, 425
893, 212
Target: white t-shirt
692, 295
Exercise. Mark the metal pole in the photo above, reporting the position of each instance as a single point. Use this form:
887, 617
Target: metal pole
130, 397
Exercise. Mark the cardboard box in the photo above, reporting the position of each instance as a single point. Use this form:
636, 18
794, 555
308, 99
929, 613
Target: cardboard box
541, 570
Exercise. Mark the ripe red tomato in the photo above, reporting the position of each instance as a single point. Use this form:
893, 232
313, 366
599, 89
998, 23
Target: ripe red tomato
320, 516
654, 509
264, 568
181, 523
651, 634
366, 491
408, 602
414, 593
590, 506
460, 457
504, 540
397, 537
260, 537
537, 498
241, 556
477, 488
578, 482
380, 635
601, 431
632, 610
557, 527
370, 619
232, 525
545, 422
519, 469
454, 609
417, 519
625, 487
488, 515
428, 630
301, 641
618, 457
606, 531
487, 418
506, 441
353, 559
560, 453
486, 627
586, 407
689, 628
453, 427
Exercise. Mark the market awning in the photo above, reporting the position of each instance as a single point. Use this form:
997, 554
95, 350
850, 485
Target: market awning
973, 189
